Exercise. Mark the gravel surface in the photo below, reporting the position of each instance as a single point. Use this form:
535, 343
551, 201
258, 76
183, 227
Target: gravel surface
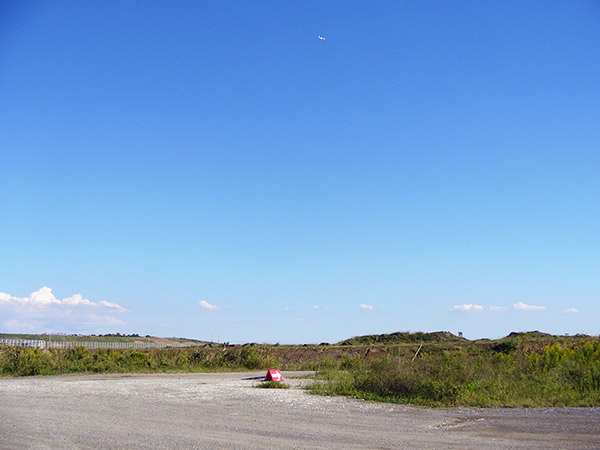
223, 411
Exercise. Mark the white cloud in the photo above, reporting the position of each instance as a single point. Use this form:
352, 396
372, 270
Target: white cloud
367, 307
467, 308
321, 308
44, 297
112, 305
524, 307
77, 299
205, 305
499, 308
570, 311
42, 311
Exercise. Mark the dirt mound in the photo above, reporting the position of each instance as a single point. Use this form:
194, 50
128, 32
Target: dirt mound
402, 337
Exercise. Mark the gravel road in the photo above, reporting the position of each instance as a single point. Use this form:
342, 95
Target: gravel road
223, 411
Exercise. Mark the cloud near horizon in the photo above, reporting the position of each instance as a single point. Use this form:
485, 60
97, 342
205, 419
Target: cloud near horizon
499, 308
41, 311
520, 306
367, 307
467, 308
44, 297
205, 305
112, 305
321, 308
570, 311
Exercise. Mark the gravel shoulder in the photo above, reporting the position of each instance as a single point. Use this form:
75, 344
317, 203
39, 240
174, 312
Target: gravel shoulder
223, 411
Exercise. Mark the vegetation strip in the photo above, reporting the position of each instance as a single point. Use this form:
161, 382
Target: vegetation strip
521, 370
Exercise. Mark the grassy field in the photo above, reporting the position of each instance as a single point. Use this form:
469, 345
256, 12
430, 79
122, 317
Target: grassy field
521, 370
437, 369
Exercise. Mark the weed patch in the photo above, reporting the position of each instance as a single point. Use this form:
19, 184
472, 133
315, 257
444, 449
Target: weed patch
25, 361
555, 376
273, 385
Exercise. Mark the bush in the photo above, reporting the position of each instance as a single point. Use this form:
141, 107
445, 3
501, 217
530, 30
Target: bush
25, 361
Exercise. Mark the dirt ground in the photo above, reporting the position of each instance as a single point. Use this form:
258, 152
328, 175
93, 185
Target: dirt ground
223, 411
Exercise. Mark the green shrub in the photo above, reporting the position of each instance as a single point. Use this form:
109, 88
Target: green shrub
26, 361
273, 385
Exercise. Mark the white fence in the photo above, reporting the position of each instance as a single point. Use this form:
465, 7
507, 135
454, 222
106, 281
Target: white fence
72, 344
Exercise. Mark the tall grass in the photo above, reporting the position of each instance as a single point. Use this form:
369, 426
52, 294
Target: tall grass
19, 361
554, 376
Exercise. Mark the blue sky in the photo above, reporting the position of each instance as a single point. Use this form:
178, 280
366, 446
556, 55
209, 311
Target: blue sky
215, 170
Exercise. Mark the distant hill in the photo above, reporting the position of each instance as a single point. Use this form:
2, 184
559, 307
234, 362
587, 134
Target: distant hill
528, 341
134, 338
401, 337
